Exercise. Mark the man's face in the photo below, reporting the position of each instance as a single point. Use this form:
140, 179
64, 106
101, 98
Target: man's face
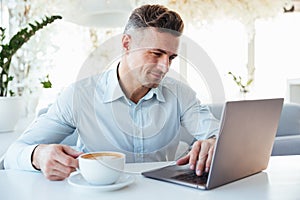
150, 55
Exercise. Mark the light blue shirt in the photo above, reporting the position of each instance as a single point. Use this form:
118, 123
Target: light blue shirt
106, 120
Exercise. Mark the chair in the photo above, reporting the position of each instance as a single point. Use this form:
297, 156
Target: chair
287, 140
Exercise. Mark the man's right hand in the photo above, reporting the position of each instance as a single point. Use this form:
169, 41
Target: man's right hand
56, 161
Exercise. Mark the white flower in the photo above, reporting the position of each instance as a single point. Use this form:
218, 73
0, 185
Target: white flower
32, 62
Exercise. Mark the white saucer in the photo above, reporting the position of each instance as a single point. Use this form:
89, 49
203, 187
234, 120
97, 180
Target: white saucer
77, 180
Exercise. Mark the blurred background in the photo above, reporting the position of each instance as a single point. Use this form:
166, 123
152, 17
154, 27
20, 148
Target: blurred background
257, 41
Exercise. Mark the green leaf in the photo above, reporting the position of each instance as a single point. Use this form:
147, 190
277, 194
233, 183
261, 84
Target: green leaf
249, 82
11, 93
46, 84
15, 43
239, 82
10, 78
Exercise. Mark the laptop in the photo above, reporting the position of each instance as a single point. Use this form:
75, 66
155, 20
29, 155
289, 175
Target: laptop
243, 147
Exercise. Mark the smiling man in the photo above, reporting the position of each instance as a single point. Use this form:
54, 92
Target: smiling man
148, 55
133, 108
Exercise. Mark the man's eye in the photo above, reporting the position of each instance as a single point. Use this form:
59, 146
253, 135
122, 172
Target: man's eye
156, 53
172, 57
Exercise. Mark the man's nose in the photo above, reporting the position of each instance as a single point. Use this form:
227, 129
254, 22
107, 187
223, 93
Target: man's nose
164, 63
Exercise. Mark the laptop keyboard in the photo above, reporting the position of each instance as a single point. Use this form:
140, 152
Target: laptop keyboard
191, 177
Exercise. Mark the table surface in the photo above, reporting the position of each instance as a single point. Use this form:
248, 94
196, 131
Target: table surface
281, 180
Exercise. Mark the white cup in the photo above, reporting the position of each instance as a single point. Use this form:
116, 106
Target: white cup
101, 168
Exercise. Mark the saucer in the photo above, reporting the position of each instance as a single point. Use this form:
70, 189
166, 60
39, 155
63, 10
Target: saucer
77, 180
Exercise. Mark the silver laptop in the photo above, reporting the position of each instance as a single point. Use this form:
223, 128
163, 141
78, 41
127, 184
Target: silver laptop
243, 148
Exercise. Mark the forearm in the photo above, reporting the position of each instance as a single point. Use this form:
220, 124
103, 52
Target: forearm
43, 131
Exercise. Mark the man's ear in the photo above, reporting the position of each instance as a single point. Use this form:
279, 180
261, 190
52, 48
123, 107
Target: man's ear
126, 41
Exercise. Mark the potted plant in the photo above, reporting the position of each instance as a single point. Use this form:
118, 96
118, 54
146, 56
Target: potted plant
243, 87
10, 105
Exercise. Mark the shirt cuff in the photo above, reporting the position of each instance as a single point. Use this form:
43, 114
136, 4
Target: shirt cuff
24, 160
212, 137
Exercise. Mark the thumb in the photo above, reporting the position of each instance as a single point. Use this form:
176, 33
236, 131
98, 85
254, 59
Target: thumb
184, 160
71, 152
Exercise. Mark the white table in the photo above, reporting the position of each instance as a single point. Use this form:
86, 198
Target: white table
281, 180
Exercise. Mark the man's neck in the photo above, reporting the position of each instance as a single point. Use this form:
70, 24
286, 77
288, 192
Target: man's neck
132, 89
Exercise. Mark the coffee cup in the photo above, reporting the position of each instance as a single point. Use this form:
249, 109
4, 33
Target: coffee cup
101, 168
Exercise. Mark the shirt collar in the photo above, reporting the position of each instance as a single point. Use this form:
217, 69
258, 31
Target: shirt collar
155, 92
114, 91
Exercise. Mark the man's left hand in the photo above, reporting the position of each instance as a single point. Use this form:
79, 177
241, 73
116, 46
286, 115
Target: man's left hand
202, 151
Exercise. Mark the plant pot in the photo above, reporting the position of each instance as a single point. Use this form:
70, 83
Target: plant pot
10, 111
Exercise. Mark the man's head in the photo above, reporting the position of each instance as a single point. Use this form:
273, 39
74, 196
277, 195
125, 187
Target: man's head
150, 43
155, 16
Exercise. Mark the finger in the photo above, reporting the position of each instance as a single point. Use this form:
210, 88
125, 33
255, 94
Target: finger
58, 170
202, 158
56, 176
184, 160
63, 170
66, 160
194, 154
209, 158
71, 152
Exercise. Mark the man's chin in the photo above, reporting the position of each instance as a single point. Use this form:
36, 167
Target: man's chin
151, 85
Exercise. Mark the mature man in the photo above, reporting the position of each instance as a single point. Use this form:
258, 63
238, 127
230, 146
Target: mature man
132, 108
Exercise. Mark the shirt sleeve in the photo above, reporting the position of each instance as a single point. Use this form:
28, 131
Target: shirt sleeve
50, 128
196, 118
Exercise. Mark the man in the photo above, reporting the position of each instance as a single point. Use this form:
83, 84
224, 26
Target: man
134, 108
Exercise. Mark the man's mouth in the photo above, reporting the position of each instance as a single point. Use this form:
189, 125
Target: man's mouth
157, 75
